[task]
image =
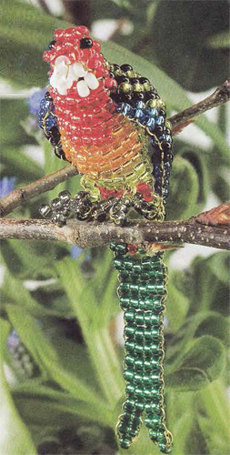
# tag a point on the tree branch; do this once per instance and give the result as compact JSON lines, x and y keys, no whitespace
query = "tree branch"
{"x":220,"y":96}
{"x":139,"y":232}
{"x":22,"y":195}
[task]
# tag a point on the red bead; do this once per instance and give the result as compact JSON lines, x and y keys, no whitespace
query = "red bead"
{"x":132,"y":248}
{"x":58,"y":34}
{"x":82,"y":30}
{"x":110,"y":83}
{"x":97,"y":46}
{"x":148,"y":197}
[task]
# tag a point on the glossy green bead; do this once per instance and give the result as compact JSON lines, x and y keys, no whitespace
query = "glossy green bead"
{"x":147,"y":349}
{"x":138,"y":364}
{"x":128,"y":375}
{"x":155,"y":393}
{"x":127,"y":264}
{"x":118,"y":248}
{"x":117,"y":262}
{"x":124,"y":302}
{"x":139,"y":392}
{"x":153,"y":434}
{"x":156,"y":288}
{"x":164,"y":448}
{"x":129,"y":360}
{"x":122,"y":427}
{"x":151,"y":407}
{"x":130,"y":345}
{"x":147,"y":381}
{"x":151,"y":319}
{"x":125,"y":443}
{"x":130,"y":388}
{"x":136,"y":267}
{"x":134,"y":288}
{"x":129,"y":405}
{"x":153,"y":422}
{"x":134,"y":303}
{"x":129,"y":315}
{"x":124,"y":288}
{"x":156,"y":378}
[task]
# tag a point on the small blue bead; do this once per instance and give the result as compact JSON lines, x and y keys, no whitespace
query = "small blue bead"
{"x":126,"y":108}
{"x":140,"y":105}
{"x":138,"y":114}
{"x":50,"y":122}
{"x":160,"y":120}
{"x":151,"y":123}
{"x":168,"y":138}
{"x":162,"y":137}
{"x":152,"y":111}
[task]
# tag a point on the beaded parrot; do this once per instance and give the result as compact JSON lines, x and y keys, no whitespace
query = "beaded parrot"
{"x":109,"y":122}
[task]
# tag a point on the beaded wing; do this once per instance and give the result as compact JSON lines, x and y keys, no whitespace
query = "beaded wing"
{"x":109,"y":122}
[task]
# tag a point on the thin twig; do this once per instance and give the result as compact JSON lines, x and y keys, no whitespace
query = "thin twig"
{"x":96,"y":234}
{"x":25,"y":193}
{"x":220,"y":96}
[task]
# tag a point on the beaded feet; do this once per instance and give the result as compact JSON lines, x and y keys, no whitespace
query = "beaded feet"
{"x":80,"y":207}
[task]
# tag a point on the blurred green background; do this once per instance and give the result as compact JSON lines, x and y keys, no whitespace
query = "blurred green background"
{"x":61,"y":351}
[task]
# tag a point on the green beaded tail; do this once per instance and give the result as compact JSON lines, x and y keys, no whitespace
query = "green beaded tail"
{"x":142,"y":293}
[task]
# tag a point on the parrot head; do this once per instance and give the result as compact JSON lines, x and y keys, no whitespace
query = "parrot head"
{"x":76,"y":63}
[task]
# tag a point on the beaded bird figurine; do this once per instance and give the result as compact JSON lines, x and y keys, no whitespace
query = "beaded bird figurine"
{"x":109,"y":122}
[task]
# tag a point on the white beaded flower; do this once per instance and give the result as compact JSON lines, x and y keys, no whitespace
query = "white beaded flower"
{"x":65,"y":74}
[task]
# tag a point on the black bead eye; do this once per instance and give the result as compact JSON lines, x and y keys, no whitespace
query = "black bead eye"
{"x":86,"y":43}
{"x":52,"y":44}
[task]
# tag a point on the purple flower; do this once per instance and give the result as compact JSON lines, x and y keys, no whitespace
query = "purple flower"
{"x":13,"y":340}
{"x":75,"y":251}
{"x":34,"y":101}
{"x":6,"y":185}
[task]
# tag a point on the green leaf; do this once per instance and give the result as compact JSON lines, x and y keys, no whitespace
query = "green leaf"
{"x":24,"y":35}
{"x":177,"y":302}
{"x":220,"y":40}
{"x":207,"y":286}
{"x":88,"y":313}
{"x":61,"y":409}
{"x":213,"y":417}
{"x":46,"y":357}
{"x":196,"y":442}
{"x":216,"y":325}
{"x":32,"y":259}
{"x":14,"y":294}
{"x":197,"y":159}
{"x":16,"y":163}
{"x":203,"y":323}
{"x":184,"y":190}
{"x":201,"y":365}
{"x":21,"y":442}
{"x":12,"y":132}
{"x":176,"y":27}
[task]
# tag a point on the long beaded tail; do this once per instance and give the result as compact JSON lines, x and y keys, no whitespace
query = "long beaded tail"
{"x":142,"y":292}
